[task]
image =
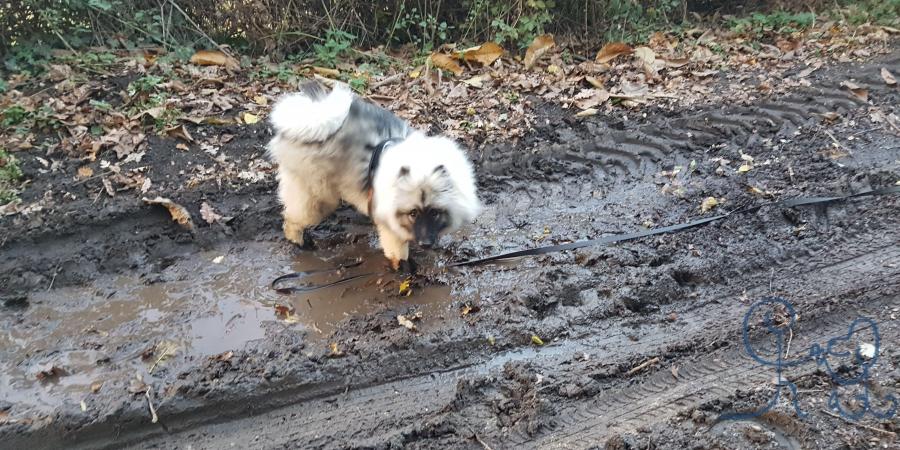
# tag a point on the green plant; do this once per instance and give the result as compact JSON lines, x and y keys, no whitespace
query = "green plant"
{"x":523,"y":29}
{"x":758,"y":25}
{"x":10,"y":174}
{"x":337,"y":43}
{"x":14,"y":115}
{"x":858,"y":12}
{"x":631,"y":21}
{"x":419,"y":28}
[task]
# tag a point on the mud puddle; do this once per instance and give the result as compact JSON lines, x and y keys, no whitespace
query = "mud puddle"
{"x":205,"y":305}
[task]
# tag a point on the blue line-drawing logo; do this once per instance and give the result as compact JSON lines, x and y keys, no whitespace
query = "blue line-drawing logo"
{"x":778,"y":318}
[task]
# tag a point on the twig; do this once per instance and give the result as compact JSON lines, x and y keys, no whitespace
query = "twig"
{"x":197,"y":27}
{"x":480,"y":441}
{"x":836,"y":142}
{"x":787,"y":351}
{"x":851,"y":422}
{"x":153,"y":417}
{"x":165,"y":354}
{"x":389,"y":80}
{"x":55,"y":273}
{"x":642,"y":366}
{"x":64,"y":41}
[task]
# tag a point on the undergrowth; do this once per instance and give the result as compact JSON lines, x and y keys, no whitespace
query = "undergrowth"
{"x":10,"y":174}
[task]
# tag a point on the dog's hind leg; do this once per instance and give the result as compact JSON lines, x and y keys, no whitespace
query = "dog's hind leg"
{"x":306,"y":202}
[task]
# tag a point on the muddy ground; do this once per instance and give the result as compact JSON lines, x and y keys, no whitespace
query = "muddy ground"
{"x":109,"y":306}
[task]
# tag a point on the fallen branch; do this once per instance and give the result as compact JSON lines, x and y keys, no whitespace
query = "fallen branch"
{"x":642,"y":366}
{"x":153,"y":417}
{"x":877,"y":430}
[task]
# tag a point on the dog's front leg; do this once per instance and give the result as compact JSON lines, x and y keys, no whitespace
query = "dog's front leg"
{"x":396,"y":249}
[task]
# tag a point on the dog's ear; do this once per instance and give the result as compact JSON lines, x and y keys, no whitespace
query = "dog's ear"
{"x":404,"y":171}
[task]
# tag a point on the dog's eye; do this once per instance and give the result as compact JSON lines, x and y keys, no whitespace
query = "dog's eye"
{"x":414,"y":213}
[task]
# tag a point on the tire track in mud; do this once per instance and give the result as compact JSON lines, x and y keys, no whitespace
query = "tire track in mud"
{"x":364,"y":413}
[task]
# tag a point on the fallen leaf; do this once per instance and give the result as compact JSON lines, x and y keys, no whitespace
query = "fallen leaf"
{"x":677,"y":62}
{"x":260,"y":100}
{"x":326,"y":72}
{"x":536,"y":340}
{"x":209,"y":214}
{"x":95,"y":387}
{"x":484,"y":54}
{"x":224,"y":357}
{"x":442,"y":61}
{"x":146,"y":184}
{"x":538,"y":48}
{"x":49,"y":372}
{"x":137,"y":385}
{"x":586,"y":113}
{"x":405,"y":288}
{"x":888,"y":77}
{"x":83,"y":406}
{"x":613,"y":50}
{"x":335,"y":351}
{"x":250,"y":119}
{"x":867,"y":350}
{"x":286,"y":313}
{"x":182,"y":147}
{"x":708,"y":204}
{"x":85,"y":172}
{"x":860,"y":92}
{"x":469,"y":309}
{"x":214,"y":58}
{"x":218,"y":259}
{"x":674,"y":371}
{"x":491,"y":340}
{"x":408,"y":321}
{"x":595,"y":82}
{"x":180,"y":132}
{"x":704,"y":73}
{"x":179,"y":213}
{"x":646,"y":55}
{"x":744,"y":168}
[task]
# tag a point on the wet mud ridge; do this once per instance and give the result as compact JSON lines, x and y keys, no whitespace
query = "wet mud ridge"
{"x":642,"y":342}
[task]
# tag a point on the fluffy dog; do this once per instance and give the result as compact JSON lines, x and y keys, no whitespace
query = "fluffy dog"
{"x":335,"y":146}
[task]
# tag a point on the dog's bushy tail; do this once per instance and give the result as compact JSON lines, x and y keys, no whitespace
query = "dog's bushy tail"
{"x":312,"y":115}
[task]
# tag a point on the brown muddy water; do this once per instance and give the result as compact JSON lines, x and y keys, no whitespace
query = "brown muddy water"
{"x":205,"y":305}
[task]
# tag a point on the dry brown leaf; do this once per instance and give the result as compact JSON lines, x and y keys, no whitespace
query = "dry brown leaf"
{"x":49,"y":372}
{"x":595,"y":82}
{"x":612,"y":50}
{"x":888,"y":77}
{"x":179,"y":213}
{"x":407,"y":321}
{"x":677,"y":62}
{"x":180,"y":132}
{"x":95,"y":387}
{"x":708,"y":204}
{"x":214,"y":58}
{"x":860,"y":92}
{"x":335,"y":351}
{"x":646,"y":55}
{"x":326,"y":72}
{"x":250,"y":119}
{"x":209,"y":214}
{"x":442,"y":61}
{"x":224,"y":357}
{"x":538,"y":47}
{"x":484,"y":54}
{"x":85,"y":172}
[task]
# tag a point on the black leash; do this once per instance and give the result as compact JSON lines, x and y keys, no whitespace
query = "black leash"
{"x":789,"y":203}
{"x":376,"y":158}
{"x":801,"y":201}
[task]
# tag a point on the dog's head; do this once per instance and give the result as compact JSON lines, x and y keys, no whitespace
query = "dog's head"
{"x":423,"y":187}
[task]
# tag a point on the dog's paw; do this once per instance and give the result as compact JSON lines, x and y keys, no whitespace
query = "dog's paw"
{"x":407,"y":266}
{"x":300,"y":237}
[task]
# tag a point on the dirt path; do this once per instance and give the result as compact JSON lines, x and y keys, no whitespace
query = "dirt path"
{"x":642,"y":341}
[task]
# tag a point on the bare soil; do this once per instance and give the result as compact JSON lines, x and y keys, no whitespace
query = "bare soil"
{"x":642,"y":341}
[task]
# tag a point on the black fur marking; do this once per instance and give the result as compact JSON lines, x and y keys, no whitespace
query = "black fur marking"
{"x":404,"y":171}
{"x":429,"y":225}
